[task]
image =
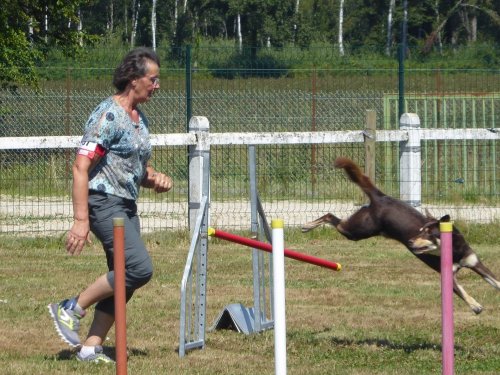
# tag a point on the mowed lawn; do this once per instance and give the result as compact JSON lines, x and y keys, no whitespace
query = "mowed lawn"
{"x":380,"y":315}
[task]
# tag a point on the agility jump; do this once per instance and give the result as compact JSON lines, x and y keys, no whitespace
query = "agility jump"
{"x":268,"y":247}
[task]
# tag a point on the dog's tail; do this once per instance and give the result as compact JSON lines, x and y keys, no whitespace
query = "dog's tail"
{"x":357,"y":176}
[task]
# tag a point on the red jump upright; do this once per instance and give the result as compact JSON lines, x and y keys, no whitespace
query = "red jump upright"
{"x":268,"y":247}
{"x":120,"y":295}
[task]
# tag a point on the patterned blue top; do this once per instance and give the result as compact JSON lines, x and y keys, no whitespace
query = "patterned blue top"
{"x":127,"y":146}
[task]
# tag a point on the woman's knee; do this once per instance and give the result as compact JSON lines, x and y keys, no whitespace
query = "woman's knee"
{"x":140,"y":275}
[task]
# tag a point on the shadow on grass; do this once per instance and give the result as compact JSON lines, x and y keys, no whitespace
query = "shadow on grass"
{"x":384,"y":343}
{"x":110,"y":351}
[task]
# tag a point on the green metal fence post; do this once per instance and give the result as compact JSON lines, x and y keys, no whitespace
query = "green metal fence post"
{"x":188,"y":87}
{"x":401,"y":80}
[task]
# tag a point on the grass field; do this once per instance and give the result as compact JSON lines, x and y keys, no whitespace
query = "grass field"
{"x":379,"y":315}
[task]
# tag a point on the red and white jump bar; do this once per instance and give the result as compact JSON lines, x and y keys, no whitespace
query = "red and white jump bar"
{"x":269,"y":248}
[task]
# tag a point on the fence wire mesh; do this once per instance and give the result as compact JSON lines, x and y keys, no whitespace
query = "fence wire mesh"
{"x":296,"y":182}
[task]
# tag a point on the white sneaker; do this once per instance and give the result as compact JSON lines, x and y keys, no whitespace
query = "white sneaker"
{"x":97,"y":357}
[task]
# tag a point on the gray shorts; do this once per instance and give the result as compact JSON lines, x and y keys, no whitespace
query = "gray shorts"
{"x":138,"y":266}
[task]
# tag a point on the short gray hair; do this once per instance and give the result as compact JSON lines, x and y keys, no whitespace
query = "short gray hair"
{"x":133,"y":66}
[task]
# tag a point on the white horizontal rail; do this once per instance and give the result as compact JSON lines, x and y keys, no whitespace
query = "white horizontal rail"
{"x":348,"y":136}
{"x":185,"y":139}
{"x":23,"y":143}
{"x":462,"y":134}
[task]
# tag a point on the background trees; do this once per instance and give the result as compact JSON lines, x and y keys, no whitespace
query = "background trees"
{"x":29,"y":28}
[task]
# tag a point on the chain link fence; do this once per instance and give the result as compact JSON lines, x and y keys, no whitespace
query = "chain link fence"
{"x":295,"y":182}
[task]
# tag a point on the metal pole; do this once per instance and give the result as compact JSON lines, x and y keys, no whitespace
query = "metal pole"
{"x":189,"y":111}
{"x":279,"y":296}
{"x":401,"y":81}
{"x":120,"y":295}
{"x":401,"y":58}
{"x":447,"y":298}
{"x":256,"y":255}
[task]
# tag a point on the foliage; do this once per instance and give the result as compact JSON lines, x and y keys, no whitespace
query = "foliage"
{"x":17,"y":60}
{"x":26,"y":36}
{"x":74,"y":25}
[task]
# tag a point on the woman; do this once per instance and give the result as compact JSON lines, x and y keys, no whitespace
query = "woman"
{"x":110,"y":166}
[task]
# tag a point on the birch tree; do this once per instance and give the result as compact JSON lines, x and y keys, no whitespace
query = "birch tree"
{"x":111,"y":23}
{"x":457,"y":8}
{"x":125,"y":17}
{"x":390,"y":16}
{"x":341,"y":23}
{"x":238,"y":32}
{"x":153,"y":25}
{"x":438,"y":34}
{"x":176,"y":17}
{"x":136,"y":5}
{"x":297,"y":6}
{"x":27,"y":33}
{"x":80,"y":28}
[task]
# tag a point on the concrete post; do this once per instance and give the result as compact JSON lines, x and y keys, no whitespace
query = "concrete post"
{"x":410,"y":186}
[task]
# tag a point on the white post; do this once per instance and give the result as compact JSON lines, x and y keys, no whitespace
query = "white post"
{"x":410,"y":185}
{"x":197,"y":153}
{"x":279,"y":296}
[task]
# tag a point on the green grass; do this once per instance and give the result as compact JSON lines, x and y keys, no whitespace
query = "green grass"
{"x":379,"y":315}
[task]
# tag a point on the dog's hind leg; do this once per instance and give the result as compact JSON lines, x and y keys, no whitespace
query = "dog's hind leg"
{"x":358,"y":226}
{"x":473,"y":262}
{"x":325,"y":219}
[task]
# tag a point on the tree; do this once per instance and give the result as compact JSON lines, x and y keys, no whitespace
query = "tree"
{"x":28,"y":28}
{"x":341,"y":24}
{"x":153,"y":24}
{"x":390,"y":16}
{"x":468,"y":22}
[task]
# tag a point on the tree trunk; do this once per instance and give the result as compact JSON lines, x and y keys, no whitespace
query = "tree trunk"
{"x":153,"y":24}
{"x":341,"y":22}
{"x":238,"y":31}
{"x":30,"y":30}
{"x":297,"y":5}
{"x":176,"y":16}
{"x":404,"y":37}
{"x":438,"y":36}
{"x":111,"y":23}
{"x":46,"y":24}
{"x":454,"y":33}
{"x":473,"y":26}
{"x":80,"y":28}
{"x":464,"y":16}
{"x":135,"y":18}
{"x":125,"y":18}
{"x":390,"y":14}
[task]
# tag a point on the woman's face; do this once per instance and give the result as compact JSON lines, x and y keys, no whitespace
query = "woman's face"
{"x":145,"y":86}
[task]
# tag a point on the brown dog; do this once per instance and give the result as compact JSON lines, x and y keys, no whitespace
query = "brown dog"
{"x":395,"y":219}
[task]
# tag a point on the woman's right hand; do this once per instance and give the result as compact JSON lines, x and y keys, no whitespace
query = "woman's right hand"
{"x":78,"y":235}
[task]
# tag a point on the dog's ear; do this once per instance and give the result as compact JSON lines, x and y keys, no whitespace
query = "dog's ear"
{"x":430,"y":225}
{"x":428,"y":214}
{"x":445,"y":219}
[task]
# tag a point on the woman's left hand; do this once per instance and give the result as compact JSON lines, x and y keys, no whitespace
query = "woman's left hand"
{"x":162,"y":182}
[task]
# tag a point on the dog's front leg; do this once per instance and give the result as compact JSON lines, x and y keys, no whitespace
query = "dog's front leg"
{"x":460,"y":291}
